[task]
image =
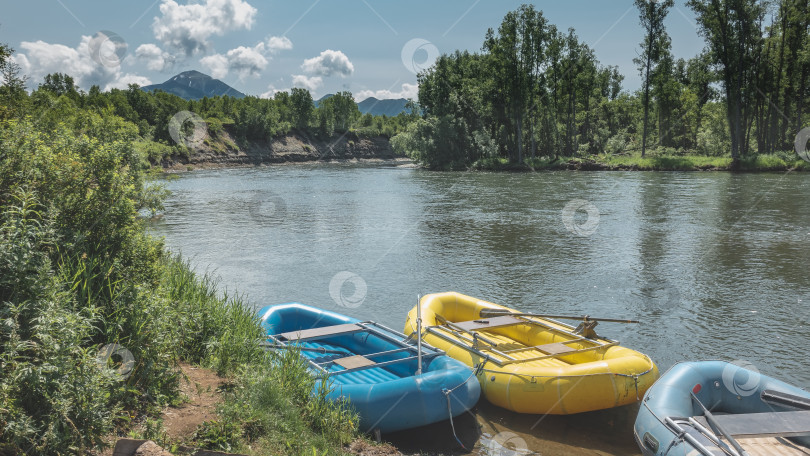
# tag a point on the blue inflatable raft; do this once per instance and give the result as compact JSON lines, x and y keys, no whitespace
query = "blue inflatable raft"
{"x":715,"y":408}
{"x":374,"y":367}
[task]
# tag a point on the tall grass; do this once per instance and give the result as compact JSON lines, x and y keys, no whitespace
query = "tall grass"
{"x":279,"y":414}
{"x":79,"y":272}
{"x":219,"y":332}
{"x":663,"y":162}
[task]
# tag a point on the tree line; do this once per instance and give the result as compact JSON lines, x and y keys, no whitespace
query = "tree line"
{"x":537,"y":91}
{"x":57,"y":100}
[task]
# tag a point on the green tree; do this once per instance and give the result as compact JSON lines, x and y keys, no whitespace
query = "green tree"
{"x":782,"y":77}
{"x":517,"y":61}
{"x":13,"y":96}
{"x":301,"y":107}
{"x":342,"y":110}
{"x":698,"y":79}
{"x":655,"y":45}
{"x":732,"y":29}
{"x":59,"y":84}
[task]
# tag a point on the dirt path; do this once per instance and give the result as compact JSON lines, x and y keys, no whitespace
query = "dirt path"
{"x":201,"y":387}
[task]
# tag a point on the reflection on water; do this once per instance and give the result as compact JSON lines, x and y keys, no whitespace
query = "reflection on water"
{"x":713,"y":264}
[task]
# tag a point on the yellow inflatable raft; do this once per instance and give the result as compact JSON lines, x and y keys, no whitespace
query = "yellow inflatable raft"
{"x":530,"y":364}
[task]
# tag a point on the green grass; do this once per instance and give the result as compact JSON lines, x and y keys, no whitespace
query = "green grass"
{"x":278,"y":414}
{"x":215,"y":330}
{"x":782,"y":161}
{"x":665,"y":162}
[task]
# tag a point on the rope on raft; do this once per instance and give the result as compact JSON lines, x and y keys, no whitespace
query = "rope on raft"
{"x":635,"y":377}
{"x":476,"y":369}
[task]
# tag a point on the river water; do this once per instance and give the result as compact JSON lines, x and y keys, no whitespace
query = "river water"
{"x":714,"y":264}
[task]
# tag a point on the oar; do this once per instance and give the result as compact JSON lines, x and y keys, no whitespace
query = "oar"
{"x":710,"y":420}
{"x":486,"y":313}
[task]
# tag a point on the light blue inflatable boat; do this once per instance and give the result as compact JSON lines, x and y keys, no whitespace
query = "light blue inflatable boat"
{"x":715,"y":408}
{"x":374,"y":367}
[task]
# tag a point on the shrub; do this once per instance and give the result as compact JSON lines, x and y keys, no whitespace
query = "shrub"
{"x":55,"y":395}
{"x":79,"y":272}
{"x":617,"y":143}
{"x":214,"y":126}
{"x":153,"y":151}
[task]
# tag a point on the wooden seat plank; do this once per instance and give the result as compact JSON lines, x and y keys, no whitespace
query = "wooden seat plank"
{"x":768,"y":424}
{"x":353,"y":362}
{"x":483,"y":324}
{"x":555,"y":348}
{"x":320,"y":333}
{"x":772,"y":446}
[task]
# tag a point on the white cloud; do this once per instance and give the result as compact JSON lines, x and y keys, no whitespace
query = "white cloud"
{"x":309,"y":83}
{"x":122,"y":82}
{"x":188,"y":27}
{"x":271,"y":92}
{"x":245,"y":61}
{"x":38,"y":58}
{"x":217,"y":65}
{"x":279,"y":43}
{"x":156,"y":59}
{"x":328,"y":63}
{"x":407,"y":91}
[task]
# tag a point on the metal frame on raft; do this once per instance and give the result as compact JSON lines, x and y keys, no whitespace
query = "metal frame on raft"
{"x":472,"y":345}
{"x":289,"y":340}
{"x":674,"y":425}
{"x":731,"y":427}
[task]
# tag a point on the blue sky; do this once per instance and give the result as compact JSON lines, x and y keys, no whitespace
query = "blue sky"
{"x":370,"y":47}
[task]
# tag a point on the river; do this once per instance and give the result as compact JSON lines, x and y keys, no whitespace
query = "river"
{"x":714,"y":264}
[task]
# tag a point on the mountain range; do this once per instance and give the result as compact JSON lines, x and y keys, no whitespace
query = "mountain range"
{"x":375,"y":107}
{"x":193,"y":85}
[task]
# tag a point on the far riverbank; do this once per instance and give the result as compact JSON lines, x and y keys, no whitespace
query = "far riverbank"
{"x":222,"y":151}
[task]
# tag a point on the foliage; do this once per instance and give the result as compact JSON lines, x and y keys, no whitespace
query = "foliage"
{"x":277,"y":413}
{"x":218,"y":435}
{"x":535,"y":91}
{"x":57,"y":101}
{"x":302,"y":107}
{"x":13,"y":100}
{"x":731,"y":28}
{"x":780,"y":105}
{"x":655,"y":51}
{"x":217,"y":331}
{"x":78,"y":272}
{"x":532,"y":91}
{"x":54,"y":396}
{"x":78,"y":276}
{"x":337,"y":113}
